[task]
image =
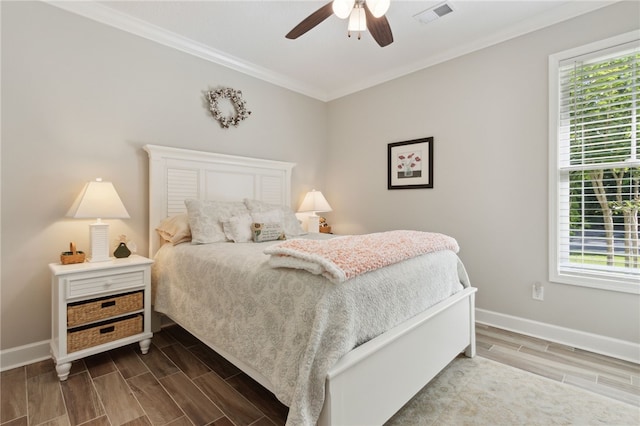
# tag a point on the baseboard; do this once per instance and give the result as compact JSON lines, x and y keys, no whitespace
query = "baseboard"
{"x":23,"y":355}
{"x":39,"y":351}
{"x":621,"y":349}
{"x":616,"y":348}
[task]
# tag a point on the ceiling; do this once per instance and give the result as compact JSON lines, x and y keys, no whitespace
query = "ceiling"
{"x":324,"y":63}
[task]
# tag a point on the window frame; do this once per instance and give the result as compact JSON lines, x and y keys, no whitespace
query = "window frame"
{"x":579,"y":278}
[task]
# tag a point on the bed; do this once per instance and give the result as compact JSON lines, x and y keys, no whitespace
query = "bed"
{"x":357,"y":377}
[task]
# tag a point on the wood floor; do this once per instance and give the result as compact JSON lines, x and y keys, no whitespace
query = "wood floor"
{"x":182,"y":382}
{"x":600,"y":374}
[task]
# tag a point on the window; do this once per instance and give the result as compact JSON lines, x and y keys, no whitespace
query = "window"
{"x":595,"y":165}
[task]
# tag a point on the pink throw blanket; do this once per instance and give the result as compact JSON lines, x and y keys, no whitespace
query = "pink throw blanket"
{"x":342,"y":258}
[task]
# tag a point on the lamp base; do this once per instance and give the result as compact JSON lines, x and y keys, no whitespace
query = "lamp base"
{"x":99,"y":238}
{"x":313,"y":224}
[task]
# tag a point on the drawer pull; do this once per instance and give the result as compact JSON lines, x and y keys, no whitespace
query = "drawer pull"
{"x":109,"y":303}
{"x":107,"y":330}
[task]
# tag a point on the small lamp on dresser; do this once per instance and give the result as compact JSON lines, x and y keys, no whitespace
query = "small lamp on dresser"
{"x":98,"y":200}
{"x":314,"y":202}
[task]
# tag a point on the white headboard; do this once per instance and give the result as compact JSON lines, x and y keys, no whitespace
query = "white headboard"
{"x":177,"y":174}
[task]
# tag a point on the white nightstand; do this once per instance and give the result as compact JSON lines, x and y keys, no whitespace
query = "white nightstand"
{"x":99,"y":306}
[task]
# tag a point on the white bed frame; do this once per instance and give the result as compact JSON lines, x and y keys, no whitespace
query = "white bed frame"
{"x":373,"y":381}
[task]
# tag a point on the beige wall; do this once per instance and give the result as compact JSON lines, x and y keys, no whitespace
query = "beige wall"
{"x":79,"y":100}
{"x":488,"y":114}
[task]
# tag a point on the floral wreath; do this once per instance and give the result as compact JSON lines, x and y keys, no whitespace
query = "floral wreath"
{"x":239,"y":104}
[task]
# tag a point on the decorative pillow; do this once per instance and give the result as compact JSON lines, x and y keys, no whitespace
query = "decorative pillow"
{"x":292,"y":226}
{"x":206,"y":217}
{"x":238,"y":228}
{"x":267,"y":232}
{"x":175,"y":229}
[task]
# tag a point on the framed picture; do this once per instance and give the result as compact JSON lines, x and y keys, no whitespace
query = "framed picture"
{"x":411,"y":164}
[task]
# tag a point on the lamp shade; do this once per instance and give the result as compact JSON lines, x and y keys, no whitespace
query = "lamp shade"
{"x":357,"y":20}
{"x":342,"y":8}
{"x":314,"y":201}
{"x":378,"y":7}
{"x":98,"y":199}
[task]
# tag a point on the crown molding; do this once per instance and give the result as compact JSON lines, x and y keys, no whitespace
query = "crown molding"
{"x":105,"y":15}
{"x":541,"y":21}
{"x":108,"y":16}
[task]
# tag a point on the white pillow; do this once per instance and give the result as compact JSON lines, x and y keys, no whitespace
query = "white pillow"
{"x":259,"y":226}
{"x":271,"y":216}
{"x":292,"y":226}
{"x":238,"y":228}
{"x":206,"y":217}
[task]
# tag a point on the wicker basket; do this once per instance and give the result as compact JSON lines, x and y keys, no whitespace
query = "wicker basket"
{"x":106,"y":307}
{"x":72,"y":256}
{"x":103,"y":333}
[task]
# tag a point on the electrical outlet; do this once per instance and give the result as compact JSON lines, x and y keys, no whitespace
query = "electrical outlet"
{"x":537,"y":291}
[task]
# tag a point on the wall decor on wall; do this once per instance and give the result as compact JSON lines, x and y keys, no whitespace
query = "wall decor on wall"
{"x":239,"y":105}
{"x":410,"y":164}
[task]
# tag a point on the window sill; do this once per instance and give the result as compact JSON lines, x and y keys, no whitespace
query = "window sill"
{"x":622,"y":285}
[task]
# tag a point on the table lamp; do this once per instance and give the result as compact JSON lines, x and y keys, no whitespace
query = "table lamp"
{"x":314,"y":202}
{"x":98,"y":200}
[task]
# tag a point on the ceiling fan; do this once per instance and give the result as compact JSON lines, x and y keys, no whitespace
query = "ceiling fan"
{"x":363,"y":15}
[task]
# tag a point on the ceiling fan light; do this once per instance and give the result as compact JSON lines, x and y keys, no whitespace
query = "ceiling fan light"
{"x":357,"y":20}
{"x":378,"y":7}
{"x":342,"y":8}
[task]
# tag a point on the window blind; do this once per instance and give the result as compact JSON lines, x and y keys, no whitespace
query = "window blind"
{"x":599,"y":164}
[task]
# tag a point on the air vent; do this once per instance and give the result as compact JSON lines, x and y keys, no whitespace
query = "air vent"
{"x":434,"y":13}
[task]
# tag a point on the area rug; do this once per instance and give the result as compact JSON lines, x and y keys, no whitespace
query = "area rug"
{"x":477,"y":391}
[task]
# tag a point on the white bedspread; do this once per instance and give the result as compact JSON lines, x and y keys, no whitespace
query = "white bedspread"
{"x":289,"y":325}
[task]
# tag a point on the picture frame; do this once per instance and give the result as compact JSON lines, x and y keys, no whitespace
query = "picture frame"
{"x":410,"y":164}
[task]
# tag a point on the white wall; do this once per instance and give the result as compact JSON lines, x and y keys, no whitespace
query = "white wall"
{"x":79,"y":100}
{"x":488,"y":114}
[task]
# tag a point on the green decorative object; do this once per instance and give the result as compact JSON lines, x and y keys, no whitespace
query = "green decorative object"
{"x":122,"y":251}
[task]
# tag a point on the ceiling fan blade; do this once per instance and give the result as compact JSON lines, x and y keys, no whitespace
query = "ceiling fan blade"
{"x":379,"y":28}
{"x":311,"y":21}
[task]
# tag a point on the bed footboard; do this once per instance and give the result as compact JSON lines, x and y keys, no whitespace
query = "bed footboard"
{"x":372,"y":382}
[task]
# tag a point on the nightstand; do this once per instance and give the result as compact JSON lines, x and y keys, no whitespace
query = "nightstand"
{"x":99,"y":306}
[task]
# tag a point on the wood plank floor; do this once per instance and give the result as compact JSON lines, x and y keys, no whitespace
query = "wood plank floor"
{"x":182,"y":382}
{"x":600,"y":374}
